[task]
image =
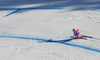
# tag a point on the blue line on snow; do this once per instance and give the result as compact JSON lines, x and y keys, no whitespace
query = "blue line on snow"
{"x":12,"y":12}
{"x":46,"y":40}
{"x":17,"y":9}
{"x":47,"y":8}
{"x":27,"y":8}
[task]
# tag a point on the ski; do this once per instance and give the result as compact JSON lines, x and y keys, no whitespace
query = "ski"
{"x":88,"y":36}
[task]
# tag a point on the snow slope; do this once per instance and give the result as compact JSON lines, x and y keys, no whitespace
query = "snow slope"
{"x":23,"y":34}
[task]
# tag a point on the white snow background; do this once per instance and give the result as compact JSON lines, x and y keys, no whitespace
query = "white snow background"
{"x":34,"y":29}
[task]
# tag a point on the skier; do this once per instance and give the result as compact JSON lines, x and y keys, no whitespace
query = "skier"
{"x":77,"y":34}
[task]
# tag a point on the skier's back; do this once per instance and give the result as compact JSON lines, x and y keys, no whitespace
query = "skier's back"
{"x":76,"y":34}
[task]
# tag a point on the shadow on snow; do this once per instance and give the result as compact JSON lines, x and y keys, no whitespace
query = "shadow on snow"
{"x":48,"y":4}
{"x":66,"y":40}
{"x":76,"y":4}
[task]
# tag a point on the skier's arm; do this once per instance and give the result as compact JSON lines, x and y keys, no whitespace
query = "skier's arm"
{"x":77,"y":29}
{"x":73,"y":36}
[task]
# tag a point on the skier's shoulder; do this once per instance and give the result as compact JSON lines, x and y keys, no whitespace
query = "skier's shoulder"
{"x":77,"y":29}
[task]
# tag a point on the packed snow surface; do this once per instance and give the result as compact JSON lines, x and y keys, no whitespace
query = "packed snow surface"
{"x":37,"y":34}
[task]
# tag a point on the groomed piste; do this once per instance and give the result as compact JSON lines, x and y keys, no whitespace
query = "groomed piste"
{"x":41,"y":29}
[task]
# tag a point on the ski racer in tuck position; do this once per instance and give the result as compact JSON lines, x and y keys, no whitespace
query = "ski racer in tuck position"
{"x":77,"y":34}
